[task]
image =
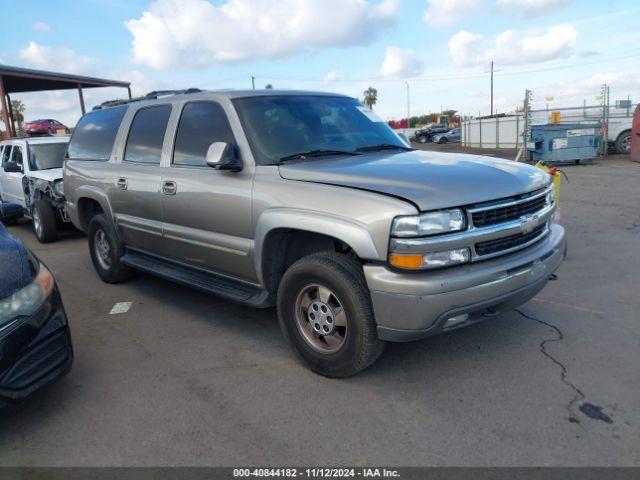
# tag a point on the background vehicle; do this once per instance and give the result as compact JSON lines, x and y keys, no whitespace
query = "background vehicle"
{"x":452,"y":136}
{"x":35,"y":342}
{"x":425,"y":135}
{"x":308,"y":201}
{"x":31,"y":176}
{"x":47,"y":126}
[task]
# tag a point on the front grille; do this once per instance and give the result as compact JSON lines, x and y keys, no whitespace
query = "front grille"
{"x":506,"y":213}
{"x":505,"y":243}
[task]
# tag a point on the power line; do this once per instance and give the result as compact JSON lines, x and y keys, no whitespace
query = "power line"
{"x":460,"y":76}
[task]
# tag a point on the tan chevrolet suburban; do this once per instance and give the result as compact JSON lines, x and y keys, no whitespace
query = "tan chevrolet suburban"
{"x":309,"y":202}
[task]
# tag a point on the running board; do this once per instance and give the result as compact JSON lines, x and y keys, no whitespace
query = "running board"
{"x":204,"y":281}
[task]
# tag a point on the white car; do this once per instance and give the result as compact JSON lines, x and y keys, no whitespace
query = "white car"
{"x":31,"y":176}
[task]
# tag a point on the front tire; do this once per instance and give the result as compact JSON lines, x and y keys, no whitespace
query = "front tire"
{"x":44,"y":222}
{"x":623,"y":143}
{"x":106,"y":251}
{"x":422,"y":139}
{"x":325,"y":312}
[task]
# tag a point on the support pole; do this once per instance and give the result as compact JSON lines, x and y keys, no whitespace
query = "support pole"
{"x":13,"y":124}
{"x":5,"y":109}
{"x":81,"y":98}
{"x":129,"y":91}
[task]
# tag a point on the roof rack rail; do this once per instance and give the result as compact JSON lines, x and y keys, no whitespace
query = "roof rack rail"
{"x":149,"y":96}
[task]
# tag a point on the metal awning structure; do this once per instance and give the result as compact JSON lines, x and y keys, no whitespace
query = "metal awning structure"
{"x":20,"y":80}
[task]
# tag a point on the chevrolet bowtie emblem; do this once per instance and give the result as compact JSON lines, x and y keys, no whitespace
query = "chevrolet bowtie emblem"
{"x":529,"y":222}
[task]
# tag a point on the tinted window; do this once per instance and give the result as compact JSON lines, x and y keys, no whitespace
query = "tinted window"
{"x":279,"y":126}
{"x":43,"y":156}
{"x":95,"y":133}
{"x":201,"y":124}
{"x":6,"y":154}
{"x":16,"y":155}
{"x":146,"y":135}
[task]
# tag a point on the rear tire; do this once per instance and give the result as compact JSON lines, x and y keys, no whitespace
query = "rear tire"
{"x":348,"y":342}
{"x":106,"y":251}
{"x":44,"y":222}
{"x":623,"y":143}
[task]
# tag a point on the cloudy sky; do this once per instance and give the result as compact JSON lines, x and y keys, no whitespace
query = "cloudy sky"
{"x":441,"y":48}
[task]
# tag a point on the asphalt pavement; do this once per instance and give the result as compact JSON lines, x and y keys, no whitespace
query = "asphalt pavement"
{"x":182,"y":378}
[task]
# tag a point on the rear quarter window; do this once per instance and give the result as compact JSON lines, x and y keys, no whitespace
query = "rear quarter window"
{"x":95,"y":133}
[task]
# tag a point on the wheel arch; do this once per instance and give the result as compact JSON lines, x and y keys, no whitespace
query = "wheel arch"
{"x":90,"y":203}
{"x":286,"y":235}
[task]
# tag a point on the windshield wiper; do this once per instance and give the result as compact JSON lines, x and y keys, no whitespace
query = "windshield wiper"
{"x":383,"y":146}
{"x":316,"y":153}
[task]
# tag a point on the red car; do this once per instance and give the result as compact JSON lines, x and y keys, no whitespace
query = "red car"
{"x":47,"y":126}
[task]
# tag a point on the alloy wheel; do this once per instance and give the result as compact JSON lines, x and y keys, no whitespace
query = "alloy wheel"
{"x":102,"y":249}
{"x":321,"y":318}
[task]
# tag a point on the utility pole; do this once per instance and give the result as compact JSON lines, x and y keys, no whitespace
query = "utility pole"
{"x":491,"y":71}
{"x":491,"y":87}
{"x":408,"y":107}
{"x":526,"y":131}
{"x":253,"y":82}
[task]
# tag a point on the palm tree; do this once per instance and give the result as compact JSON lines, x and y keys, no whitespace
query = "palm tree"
{"x":370,"y":97}
{"x":17,"y":109}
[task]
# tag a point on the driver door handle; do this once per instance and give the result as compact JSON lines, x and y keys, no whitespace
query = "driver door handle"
{"x":169,"y":187}
{"x":122,"y":183}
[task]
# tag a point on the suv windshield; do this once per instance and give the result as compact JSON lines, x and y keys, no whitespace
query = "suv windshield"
{"x":44,"y":156}
{"x":280,"y":127}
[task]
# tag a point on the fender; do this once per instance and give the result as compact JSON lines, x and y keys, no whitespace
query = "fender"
{"x":346,"y":230}
{"x":93,"y":193}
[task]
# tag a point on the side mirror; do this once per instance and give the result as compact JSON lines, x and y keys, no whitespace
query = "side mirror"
{"x":12,"y":167}
{"x":222,"y":156}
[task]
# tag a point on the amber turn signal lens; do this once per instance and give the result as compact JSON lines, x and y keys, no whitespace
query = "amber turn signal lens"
{"x":406,"y":260}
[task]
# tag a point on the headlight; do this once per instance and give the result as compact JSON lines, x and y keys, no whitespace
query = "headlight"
{"x":27,"y":300}
{"x":413,"y":261}
{"x":58,"y":188}
{"x":551,"y":195}
{"x":430,"y":223}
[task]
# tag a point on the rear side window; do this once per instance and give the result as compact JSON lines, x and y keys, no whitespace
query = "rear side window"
{"x":144,"y":144}
{"x":6,"y":154}
{"x":95,"y":133}
{"x":201,"y":124}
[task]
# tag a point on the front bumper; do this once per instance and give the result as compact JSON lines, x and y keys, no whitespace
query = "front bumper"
{"x":35,"y":351}
{"x":410,"y":306}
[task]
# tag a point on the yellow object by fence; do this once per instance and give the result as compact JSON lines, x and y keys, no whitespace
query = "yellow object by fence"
{"x":556,"y":178}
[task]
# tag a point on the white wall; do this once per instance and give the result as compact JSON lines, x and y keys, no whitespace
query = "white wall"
{"x":506,"y":132}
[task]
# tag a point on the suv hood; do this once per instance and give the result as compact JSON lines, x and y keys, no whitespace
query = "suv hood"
{"x":48,"y":175}
{"x":431,"y":180}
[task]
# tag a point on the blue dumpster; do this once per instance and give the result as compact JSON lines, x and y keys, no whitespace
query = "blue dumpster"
{"x":563,"y":143}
